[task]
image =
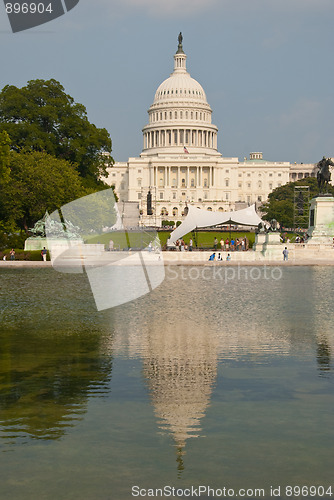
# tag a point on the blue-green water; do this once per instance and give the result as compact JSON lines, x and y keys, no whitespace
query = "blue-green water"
{"x":205,"y":381}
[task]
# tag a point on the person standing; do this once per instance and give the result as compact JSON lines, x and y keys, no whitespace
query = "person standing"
{"x":43,"y":253}
{"x":215,"y":243}
{"x":222,"y":243}
{"x":12,"y":254}
{"x":285,"y":254}
{"x":190,"y":245}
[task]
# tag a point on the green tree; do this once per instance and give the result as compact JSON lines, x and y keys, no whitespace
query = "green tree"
{"x":4,"y":156}
{"x":42,"y":117}
{"x":280,"y":205}
{"x":38,"y":182}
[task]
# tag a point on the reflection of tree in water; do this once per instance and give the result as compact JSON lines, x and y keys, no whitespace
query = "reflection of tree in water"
{"x":50,"y":355}
{"x":323,"y":356}
{"x":45,"y":382}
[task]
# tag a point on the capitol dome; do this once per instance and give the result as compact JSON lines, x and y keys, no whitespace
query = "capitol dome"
{"x":180,"y":116}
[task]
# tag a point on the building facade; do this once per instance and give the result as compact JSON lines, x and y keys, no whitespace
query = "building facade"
{"x":180,"y":163}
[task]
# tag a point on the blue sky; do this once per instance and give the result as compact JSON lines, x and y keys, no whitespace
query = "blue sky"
{"x":266,"y":67}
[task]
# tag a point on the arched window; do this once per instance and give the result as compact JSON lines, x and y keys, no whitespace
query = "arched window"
{"x":164,"y":211}
{"x":175,"y":211}
{"x":209,"y":209}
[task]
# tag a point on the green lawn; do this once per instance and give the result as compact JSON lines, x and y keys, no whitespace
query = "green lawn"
{"x":135,"y":239}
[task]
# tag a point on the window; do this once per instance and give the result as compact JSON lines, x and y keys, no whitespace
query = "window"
{"x":161,"y":181}
{"x":139,"y":196}
{"x":183,"y":182}
{"x":139,"y":182}
{"x":271,"y":185}
{"x":259,"y":198}
{"x":164,"y":211}
{"x":226,"y":182}
{"x":192,"y":183}
{"x":161,"y":195}
{"x":226,"y":196}
{"x":248,"y":175}
{"x":205,"y":196}
{"x":209,"y":209}
{"x":279,"y":175}
{"x":205,"y":183}
{"x":174,"y":196}
{"x":270,"y":175}
{"x":174,"y":182}
{"x":175,"y":211}
{"x":240,"y":185}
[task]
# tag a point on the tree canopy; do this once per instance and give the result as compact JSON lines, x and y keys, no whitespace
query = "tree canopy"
{"x":42,"y":117}
{"x":38,"y":182}
{"x":280,"y":205}
{"x":4,"y":156}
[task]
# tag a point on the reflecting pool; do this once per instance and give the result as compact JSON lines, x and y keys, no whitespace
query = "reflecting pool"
{"x":205,"y":381}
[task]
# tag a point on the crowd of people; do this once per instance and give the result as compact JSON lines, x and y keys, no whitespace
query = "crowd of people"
{"x":238,"y":244}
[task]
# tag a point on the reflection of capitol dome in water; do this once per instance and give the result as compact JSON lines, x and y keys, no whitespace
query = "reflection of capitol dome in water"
{"x":180,"y":367}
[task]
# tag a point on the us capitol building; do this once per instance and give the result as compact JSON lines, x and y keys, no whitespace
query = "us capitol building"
{"x":180,"y":163}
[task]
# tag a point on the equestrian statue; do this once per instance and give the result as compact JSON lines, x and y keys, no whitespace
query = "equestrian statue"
{"x":323,"y":174}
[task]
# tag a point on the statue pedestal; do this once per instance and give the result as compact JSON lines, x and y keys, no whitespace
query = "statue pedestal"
{"x":35,"y":243}
{"x":260,"y":239}
{"x":269,"y":245}
{"x":321,"y":224}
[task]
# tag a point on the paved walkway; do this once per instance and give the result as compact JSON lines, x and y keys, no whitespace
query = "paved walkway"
{"x":201,"y":259}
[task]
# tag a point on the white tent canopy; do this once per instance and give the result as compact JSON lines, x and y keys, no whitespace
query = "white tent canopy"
{"x":204,"y":218}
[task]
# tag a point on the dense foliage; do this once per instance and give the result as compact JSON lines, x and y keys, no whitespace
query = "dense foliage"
{"x":50,"y":155}
{"x":37,"y":182}
{"x":42,"y":117}
{"x":281,"y":206}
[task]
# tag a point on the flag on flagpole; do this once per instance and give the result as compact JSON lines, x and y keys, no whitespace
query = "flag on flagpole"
{"x":185,"y":150}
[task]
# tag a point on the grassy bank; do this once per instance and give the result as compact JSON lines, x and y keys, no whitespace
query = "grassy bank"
{"x":139,"y":240}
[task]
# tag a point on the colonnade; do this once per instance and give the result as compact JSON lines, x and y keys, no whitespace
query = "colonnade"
{"x":180,"y":137}
{"x":182,"y":177}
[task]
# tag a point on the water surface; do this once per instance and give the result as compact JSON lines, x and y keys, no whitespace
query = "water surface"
{"x":205,"y":381}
